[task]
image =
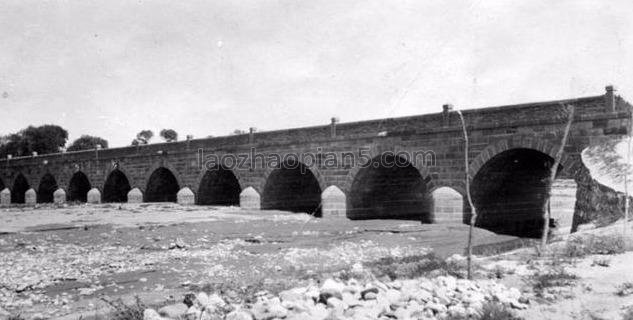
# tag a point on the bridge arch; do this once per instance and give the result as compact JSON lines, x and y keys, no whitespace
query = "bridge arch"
{"x":519,"y":142}
{"x":2,"y":186}
{"x":116,"y":186}
{"x":510,"y":189}
{"x":390,"y":187}
{"x":293,"y":187}
{"x":219,"y":186}
{"x":20,"y":186}
{"x":78,"y":187}
{"x":46,"y":188}
{"x":162,"y":186}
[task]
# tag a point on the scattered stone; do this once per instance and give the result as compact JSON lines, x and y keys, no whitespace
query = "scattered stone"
{"x":174,"y":311}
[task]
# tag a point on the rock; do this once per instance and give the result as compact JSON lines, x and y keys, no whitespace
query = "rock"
{"x":363,"y":294}
{"x":151,"y":314}
{"x":370,"y":296}
{"x":393,"y":296}
{"x":436,"y":307}
{"x":333,"y":286}
{"x":293,"y":294}
{"x":238,"y":315}
{"x":350,"y":299}
{"x":268,"y":309}
{"x":193,"y":313}
{"x":336,"y":304}
{"x":173,"y":311}
{"x":458,"y":312}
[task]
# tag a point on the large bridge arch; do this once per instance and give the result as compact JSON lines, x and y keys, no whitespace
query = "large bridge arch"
{"x":116,"y":186}
{"x":20,"y":185}
{"x":293,"y":186}
{"x":510,"y":190}
{"x":219,"y":186}
{"x":390,"y":187}
{"x":520,"y":142}
{"x":46,"y":188}
{"x":78,"y":187}
{"x":162,"y":186}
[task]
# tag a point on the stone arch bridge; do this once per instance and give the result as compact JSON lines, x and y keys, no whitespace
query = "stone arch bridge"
{"x":402,"y":168}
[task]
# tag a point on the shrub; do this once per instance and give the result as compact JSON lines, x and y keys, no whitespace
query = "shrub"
{"x":628,"y":313}
{"x":16,"y":317}
{"x":601,"y":262}
{"x":558,"y":277}
{"x":496,"y":311}
{"x":625,"y":289}
{"x":123,"y":311}
{"x":604,"y":244}
{"x":410,"y":267}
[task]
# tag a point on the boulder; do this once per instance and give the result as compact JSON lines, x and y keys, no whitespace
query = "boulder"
{"x":174,"y":311}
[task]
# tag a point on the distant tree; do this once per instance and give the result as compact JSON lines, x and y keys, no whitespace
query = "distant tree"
{"x":86,"y":142}
{"x":238,"y":132}
{"x":169,"y":135}
{"x":43,"y":139}
{"x":143,"y":137}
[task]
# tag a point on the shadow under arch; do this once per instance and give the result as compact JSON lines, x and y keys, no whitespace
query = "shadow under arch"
{"x":390,"y":187}
{"x":510,"y":190}
{"x":219,"y":186}
{"x":116,"y":187}
{"x":162,"y":186}
{"x":46,"y":189}
{"x":20,"y":186}
{"x":292,"y":187}
{"x":78,"y":187}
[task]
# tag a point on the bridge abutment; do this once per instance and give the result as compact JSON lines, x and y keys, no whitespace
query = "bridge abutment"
{"x":448,"y":206}
{"x":250,"y":199}
{"x":562,"y":205}
{"x":333,"y":202}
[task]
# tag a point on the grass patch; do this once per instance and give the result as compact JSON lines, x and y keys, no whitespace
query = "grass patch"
{"x":123,"y":311}
{"x":557,"y":277}
{"x":411,"y":267}
{"x":577,"y":247}
{"x":628,"y":313}
{"x":625,"y":289}
{"x":489,"y":311}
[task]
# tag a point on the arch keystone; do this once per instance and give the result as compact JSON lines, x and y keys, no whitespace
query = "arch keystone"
{"x":59,"y":196}
{"x":185,"y":196}
{"x":135,"y":196}
{"x":94,"y":196}
{"x":30,"y":196}
{"x":5,"y":197}
{"x":250,"y":199}
{"x":448,"y":206}
{"x":333,"y":202}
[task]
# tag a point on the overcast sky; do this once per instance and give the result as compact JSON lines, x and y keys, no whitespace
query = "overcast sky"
{"x":111,"y":68}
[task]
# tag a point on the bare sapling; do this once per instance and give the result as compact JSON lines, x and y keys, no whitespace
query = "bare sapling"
{"x":547,"y":213}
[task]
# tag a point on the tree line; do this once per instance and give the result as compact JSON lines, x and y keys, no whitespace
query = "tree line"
{"x":50,"y":138}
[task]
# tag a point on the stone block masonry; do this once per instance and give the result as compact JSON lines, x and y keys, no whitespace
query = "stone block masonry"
{"x":511,"y":146}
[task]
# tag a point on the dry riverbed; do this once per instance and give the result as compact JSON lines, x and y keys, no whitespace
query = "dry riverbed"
{"x":66,"y":263}
{"x":61,"y":261}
